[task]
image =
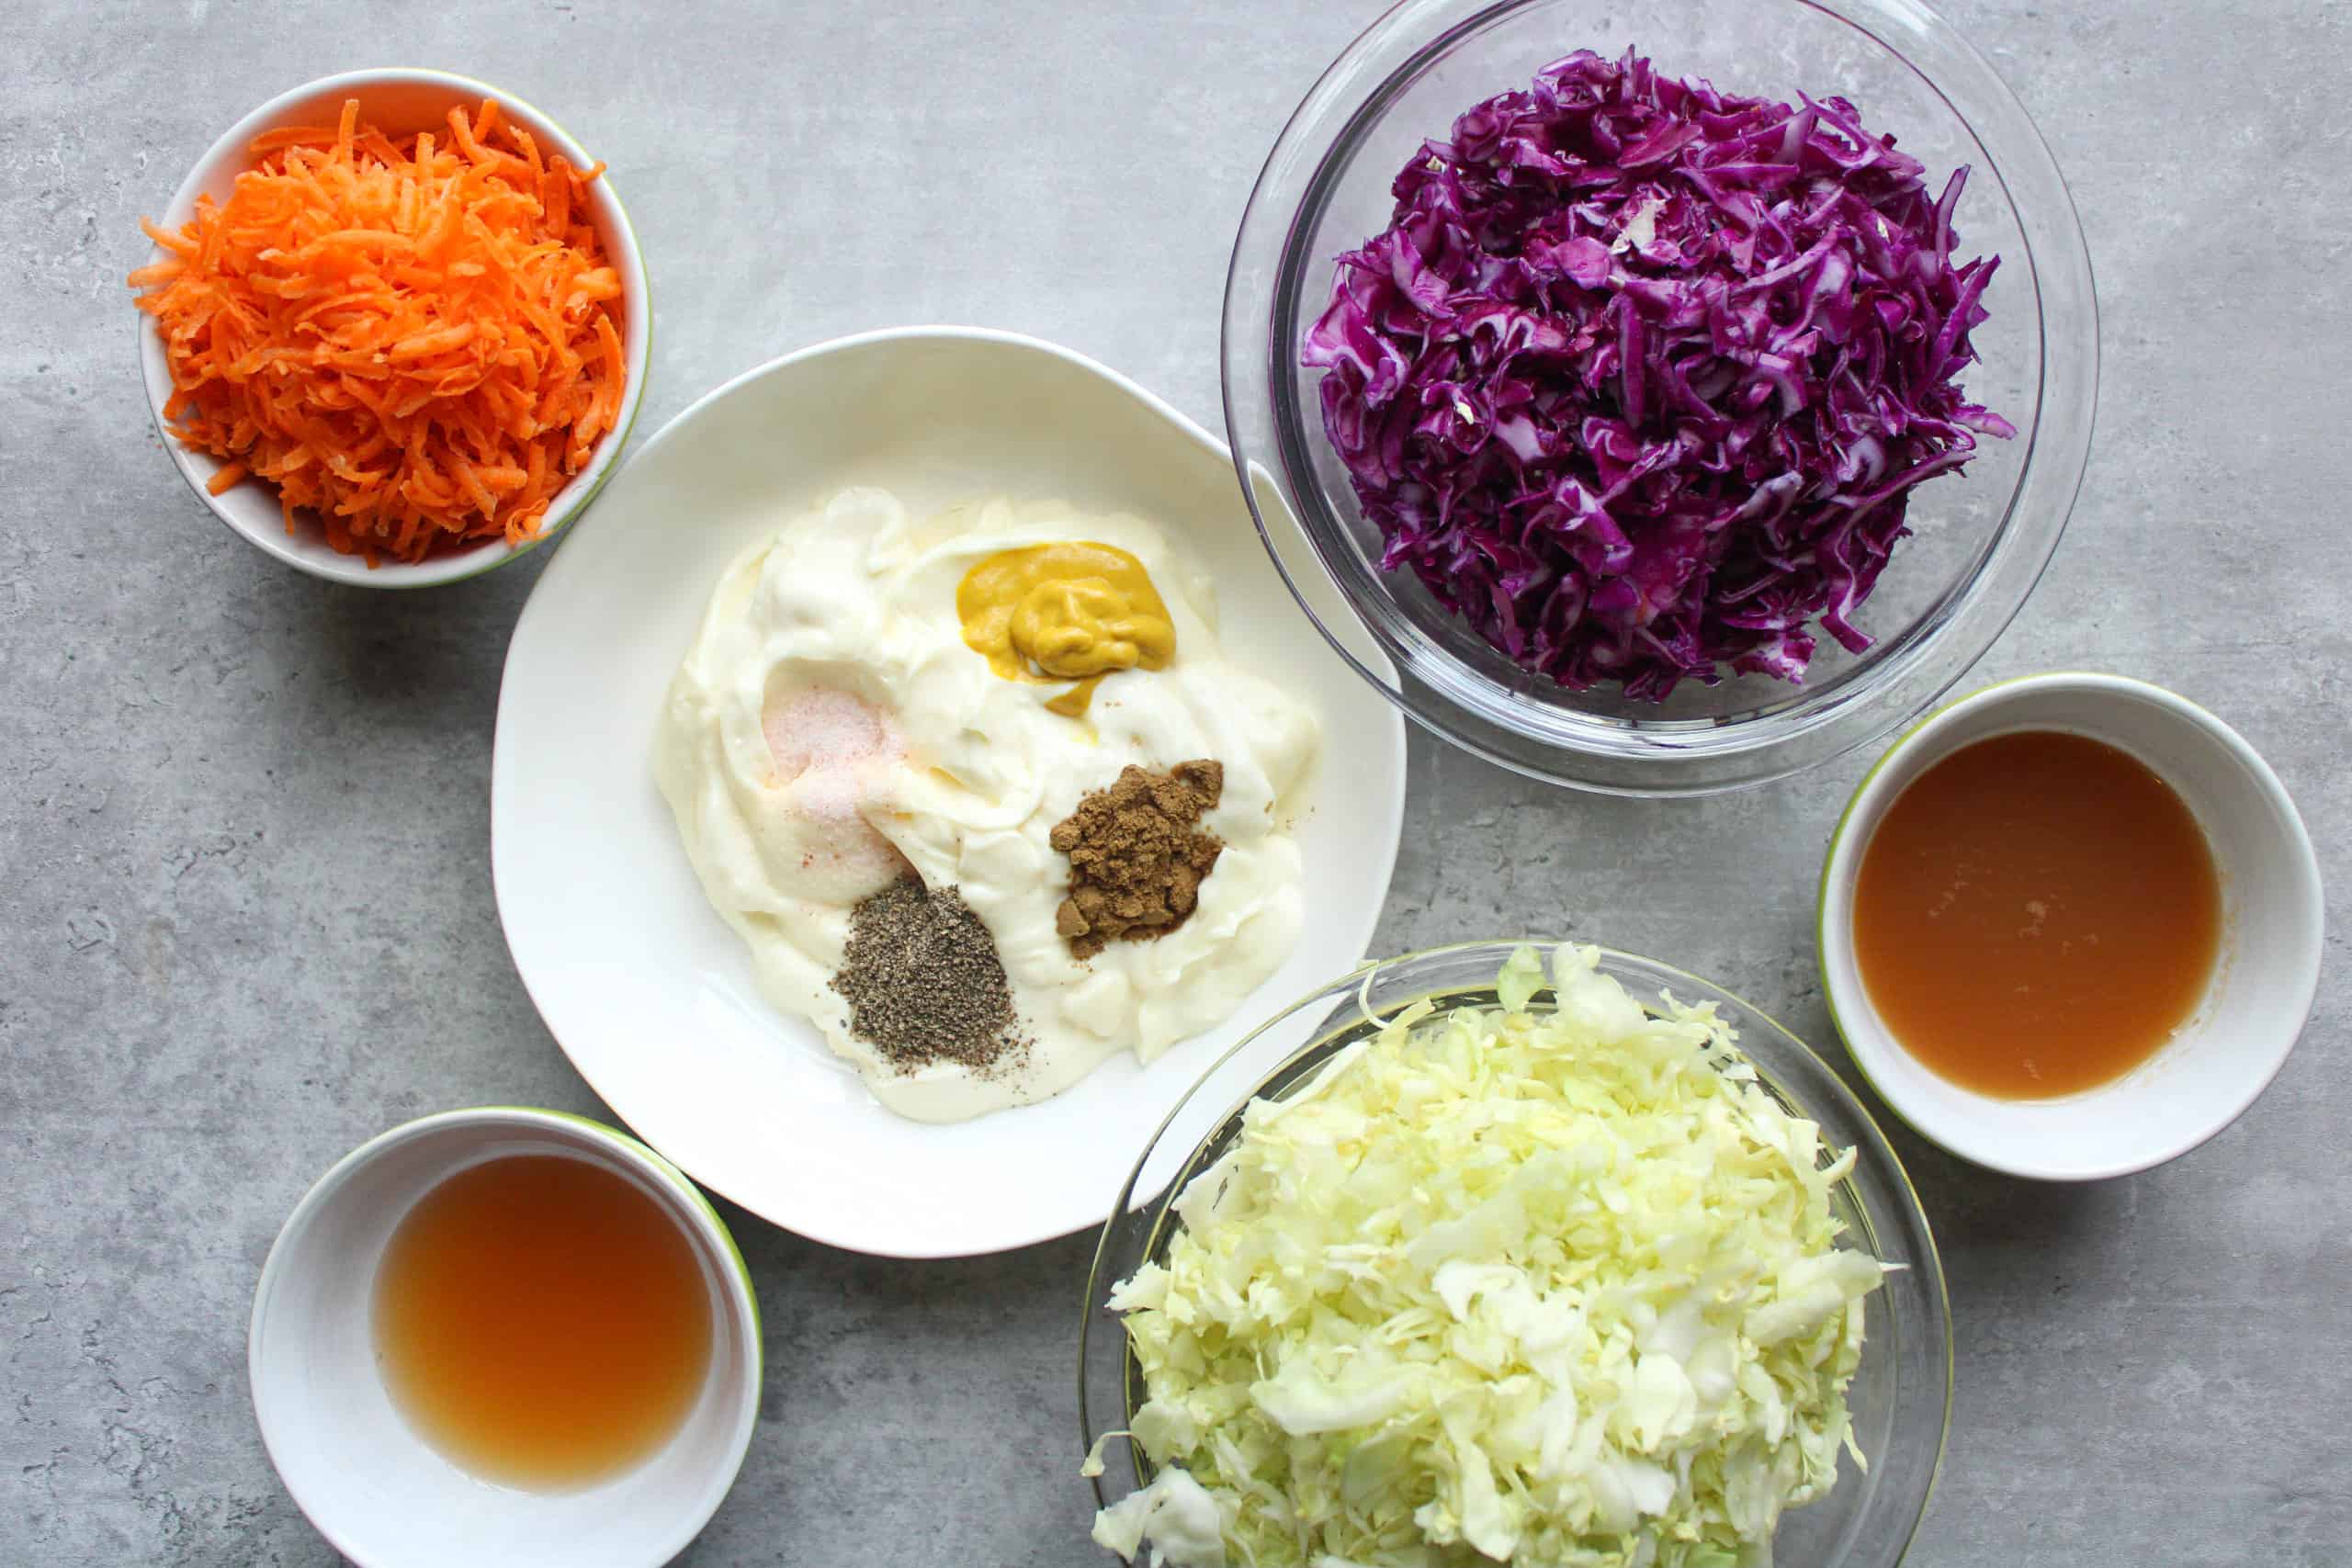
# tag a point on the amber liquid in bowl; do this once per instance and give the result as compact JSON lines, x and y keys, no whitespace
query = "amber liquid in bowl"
{"x":2036,"y":915}
{"x":542,"y":1322}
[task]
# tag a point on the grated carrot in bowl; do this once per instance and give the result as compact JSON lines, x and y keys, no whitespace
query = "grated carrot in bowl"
{"x":416,"y":340}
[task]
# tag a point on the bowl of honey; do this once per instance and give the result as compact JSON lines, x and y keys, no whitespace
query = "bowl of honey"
{"x":505,"y":1336}
{"x":2070,"y":926}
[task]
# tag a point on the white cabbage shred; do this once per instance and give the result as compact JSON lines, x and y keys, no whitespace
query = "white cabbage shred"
{"x":1557,"y":1287}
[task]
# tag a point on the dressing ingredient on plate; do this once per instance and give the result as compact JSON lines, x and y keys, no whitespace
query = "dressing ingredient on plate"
{"x":1065,"y":611}
{"x":923,"y":981}
{"x":1136,"y":855}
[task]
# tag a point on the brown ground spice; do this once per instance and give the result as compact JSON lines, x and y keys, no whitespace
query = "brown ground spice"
{"x":1136,"y":860}
{"x":923,"y":980}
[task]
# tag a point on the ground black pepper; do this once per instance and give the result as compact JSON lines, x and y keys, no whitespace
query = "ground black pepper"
{"x":923,"y":981}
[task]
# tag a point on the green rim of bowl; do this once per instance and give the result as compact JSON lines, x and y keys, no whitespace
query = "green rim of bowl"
{"x":684,"y":1184}
{"x":655,"y":1157}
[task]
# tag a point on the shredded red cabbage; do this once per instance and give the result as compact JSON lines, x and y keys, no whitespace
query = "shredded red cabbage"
{"x":1640,"y":376}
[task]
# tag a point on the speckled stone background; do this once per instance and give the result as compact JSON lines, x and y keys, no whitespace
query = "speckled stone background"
{"x":245,"y":913}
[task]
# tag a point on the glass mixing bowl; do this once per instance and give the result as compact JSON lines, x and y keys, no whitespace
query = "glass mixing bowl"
{"x":1980,"y":540}
{"x":1901,"y":1395}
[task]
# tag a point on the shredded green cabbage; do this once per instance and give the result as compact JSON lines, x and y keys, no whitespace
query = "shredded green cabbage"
{"x":1558,"y":1287}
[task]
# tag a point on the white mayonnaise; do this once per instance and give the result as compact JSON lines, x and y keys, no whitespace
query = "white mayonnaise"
{"x":829,"y":730}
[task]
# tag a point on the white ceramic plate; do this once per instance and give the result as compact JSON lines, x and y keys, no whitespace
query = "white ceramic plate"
{"x":648,"y":990}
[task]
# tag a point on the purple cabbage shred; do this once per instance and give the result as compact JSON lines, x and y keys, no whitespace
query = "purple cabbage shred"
{"x":1641,"y":375}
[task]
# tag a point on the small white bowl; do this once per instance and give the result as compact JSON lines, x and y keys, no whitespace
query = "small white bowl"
{"x":2264,"y":977}
{"x":397,"y":101}
{"x":383,"y":1496}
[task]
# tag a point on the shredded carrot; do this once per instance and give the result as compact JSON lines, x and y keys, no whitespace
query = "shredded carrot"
{"x":417,"y":342}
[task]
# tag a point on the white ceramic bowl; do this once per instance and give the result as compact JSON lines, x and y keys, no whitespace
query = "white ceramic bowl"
{"x":2263,"y":979}
{"x":651,"y":993}
{"x":398,"y":102}
{"x":373,"y":1487}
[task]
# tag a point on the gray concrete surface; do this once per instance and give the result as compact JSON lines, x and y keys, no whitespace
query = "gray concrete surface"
{"x":245,"y":915}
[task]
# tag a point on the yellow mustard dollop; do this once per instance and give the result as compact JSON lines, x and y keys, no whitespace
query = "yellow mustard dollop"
{"x":1069,"y":611}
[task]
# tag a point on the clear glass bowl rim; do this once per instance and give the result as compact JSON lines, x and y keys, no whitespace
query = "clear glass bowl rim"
{"x":1823,"y":1084}
{"x":1691,"y":756}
